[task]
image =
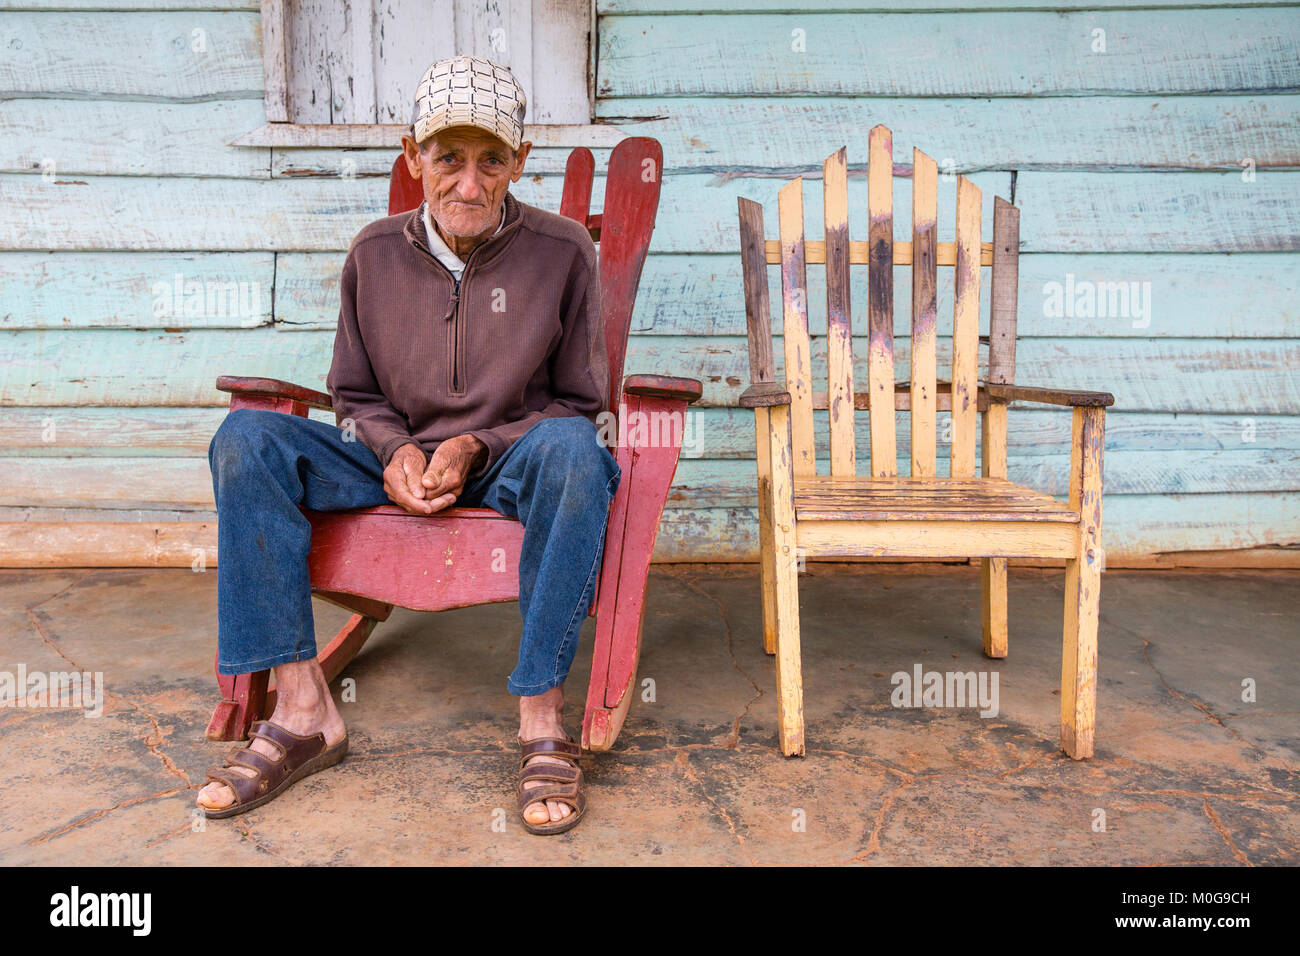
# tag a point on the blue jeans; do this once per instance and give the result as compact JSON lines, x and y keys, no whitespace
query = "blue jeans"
{"x":556,"y":479}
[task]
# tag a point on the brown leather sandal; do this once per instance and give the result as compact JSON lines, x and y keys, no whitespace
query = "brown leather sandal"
{"x":566,"y":783}
{"x":299,"y":757}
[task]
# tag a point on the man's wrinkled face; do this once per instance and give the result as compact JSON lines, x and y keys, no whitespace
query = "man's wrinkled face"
{"x":466,"y":173}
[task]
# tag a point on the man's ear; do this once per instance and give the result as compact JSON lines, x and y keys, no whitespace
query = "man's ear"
{"x":521,"y":154}
{"x":412,"y":154}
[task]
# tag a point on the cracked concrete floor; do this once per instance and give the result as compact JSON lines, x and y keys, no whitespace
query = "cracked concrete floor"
{"x":1185,"y":771}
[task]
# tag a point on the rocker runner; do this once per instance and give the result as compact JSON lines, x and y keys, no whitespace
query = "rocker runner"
{"x":470,"y":364}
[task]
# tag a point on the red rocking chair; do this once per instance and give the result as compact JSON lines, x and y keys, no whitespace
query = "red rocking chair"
{"x":369,"y":560}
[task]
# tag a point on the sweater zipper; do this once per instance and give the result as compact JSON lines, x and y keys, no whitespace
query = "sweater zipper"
{"x":453,"y":316}
{"x":453,"y":313}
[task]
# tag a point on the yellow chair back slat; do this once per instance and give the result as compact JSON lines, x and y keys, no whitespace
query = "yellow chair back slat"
{"x":798,"y":349}
{"x":880,"y":301}
{"x":925,"y":284}
{"x":965,"y":330}
{"x":839,"y":322}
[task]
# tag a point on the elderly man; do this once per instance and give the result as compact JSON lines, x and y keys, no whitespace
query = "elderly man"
{"x":470,"y":362}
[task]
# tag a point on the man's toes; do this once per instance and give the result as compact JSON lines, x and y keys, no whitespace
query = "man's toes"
{"x":216,"y":796}
{"x":537,"y":813}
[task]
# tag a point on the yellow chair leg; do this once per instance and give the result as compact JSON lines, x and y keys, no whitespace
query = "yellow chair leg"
{"x":993,"y":593}
{"x":789,"y":677}
{"x":766,"y":549}
{"x":1083,"y":588}
{"x":993,"y":571}
{"x":1079,"y":658}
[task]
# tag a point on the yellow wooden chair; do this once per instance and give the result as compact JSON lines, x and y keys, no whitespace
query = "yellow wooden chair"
{"x":923,"y":514}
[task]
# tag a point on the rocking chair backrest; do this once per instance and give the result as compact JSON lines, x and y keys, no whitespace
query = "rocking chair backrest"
{"x":623,"y":230}
{"x":925,"y":395}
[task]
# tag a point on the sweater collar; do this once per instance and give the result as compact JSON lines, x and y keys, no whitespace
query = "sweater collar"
{"x":491,"y":247}
{"x":443,"y":252}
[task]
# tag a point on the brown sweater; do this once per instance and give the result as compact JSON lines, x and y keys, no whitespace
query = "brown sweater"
{"x":419,"y":359}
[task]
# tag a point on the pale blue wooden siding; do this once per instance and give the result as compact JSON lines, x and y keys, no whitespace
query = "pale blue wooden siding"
{"x":117,"y":189}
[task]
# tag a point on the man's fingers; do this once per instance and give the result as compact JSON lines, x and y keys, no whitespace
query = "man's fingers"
{"x":413,"y":474}
{"x":402,"y":485}
{"x":446,"y":500}
{"x":432,"y":477}
{"x":404,"y":498}
{"x":441,"y":480}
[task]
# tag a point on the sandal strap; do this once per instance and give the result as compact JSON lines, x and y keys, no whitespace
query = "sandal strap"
{"x":244,"y":788}
{"x":295,"y":748}
{"x":570,"y":795}
{"x":551,"y":771}
{"x":560,"y":747}
{"x":279,"y":748}
{"x":260,"y":764}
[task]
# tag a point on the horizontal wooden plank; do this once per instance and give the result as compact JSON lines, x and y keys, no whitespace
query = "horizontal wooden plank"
{"x":1003,"y":53}
{"x":342,"y":163}
{"x":696,"y":213}
{"x":364,"y":135}
{"x":138,"y":213}
{"x":307,"y":290}
{"x":794,"y":134}
{"x":1031,"y":431}
{"x":1210,"y":295}
{"x":1137,"y":525}
{"x":710,"y":432}
{"x":117,"y":483}
{"x":97,"y":366}
{"x":131,"y":138}
{"x":110,"y":432}
{"x":102,"y":515}
{"x":609,"y":8}
{"x":787,"y":135}
{"x":1061,"y":212}
{"x":167,"y":55}
{"x":1140,"y":295}
{"x":1162,"y":212}
{"x":93,"y":544}
{"x":131,"y":5}
{"x":87,"y":290}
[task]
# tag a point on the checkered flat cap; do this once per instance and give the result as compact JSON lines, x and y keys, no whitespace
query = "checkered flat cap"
{"x":470,"y":91}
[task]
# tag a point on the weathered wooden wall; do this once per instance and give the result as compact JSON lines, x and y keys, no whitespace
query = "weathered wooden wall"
{"x":116,"y":177}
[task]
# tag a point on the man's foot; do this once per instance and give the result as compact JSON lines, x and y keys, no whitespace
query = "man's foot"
{"x":543,"y":716}
{"x":303,"y":706}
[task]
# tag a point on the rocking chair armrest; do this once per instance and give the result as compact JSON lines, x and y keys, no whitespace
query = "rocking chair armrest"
{"x":1069,"y":398}
{"x":764,"y":395}
{"x":240,"y":384}
{"x":663,"y":386}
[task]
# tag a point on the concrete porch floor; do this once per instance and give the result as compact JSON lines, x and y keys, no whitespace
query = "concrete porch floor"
{"x":1185,"y":771}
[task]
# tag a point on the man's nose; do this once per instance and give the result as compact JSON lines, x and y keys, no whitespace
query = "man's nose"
{"x":469,"y":186}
